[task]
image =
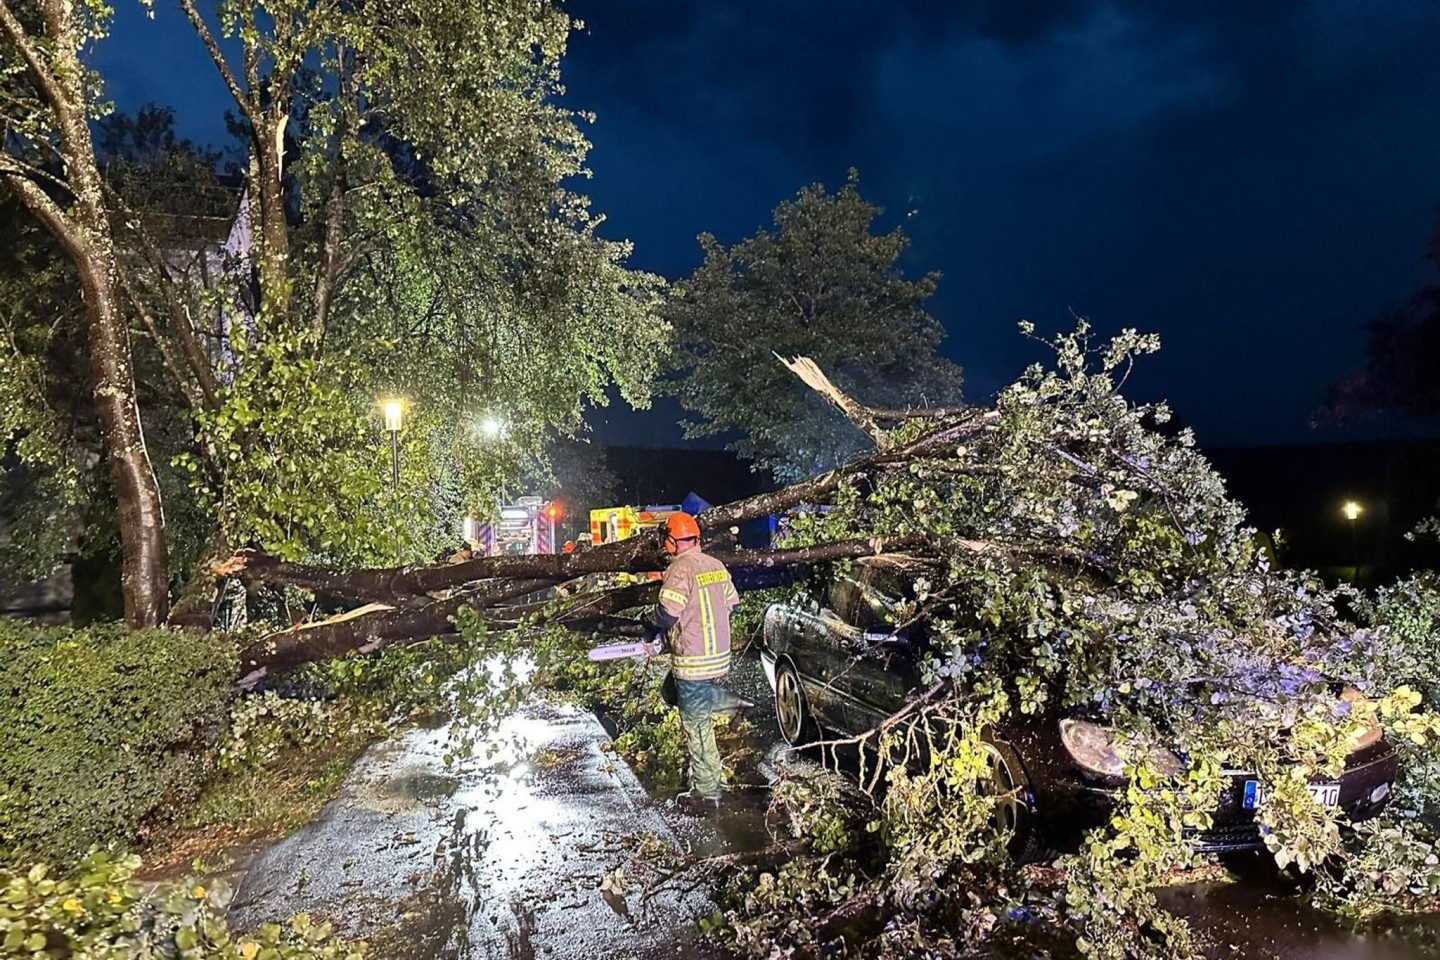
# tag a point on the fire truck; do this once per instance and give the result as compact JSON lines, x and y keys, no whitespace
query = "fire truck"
{"x":609,"y":524}
{"x":526,"y":526}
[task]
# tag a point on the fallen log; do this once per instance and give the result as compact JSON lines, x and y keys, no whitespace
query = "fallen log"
{"x":377,"y":626}
{"x":417,"y":586}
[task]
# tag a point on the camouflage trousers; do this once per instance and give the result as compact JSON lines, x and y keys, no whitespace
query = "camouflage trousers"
{"x":696,"y":700}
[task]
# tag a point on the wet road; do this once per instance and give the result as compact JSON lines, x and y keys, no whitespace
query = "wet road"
{"x":1255,"y":916}
{"x":506,"y":856}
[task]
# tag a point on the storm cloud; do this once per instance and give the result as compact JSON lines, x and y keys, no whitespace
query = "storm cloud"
{"x":1251,"y":180}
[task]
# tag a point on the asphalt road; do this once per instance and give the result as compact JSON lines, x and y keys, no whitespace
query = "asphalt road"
{"x":504,"y":857}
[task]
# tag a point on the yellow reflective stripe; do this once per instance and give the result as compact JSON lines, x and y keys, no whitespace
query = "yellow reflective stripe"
{"x":700,"y":659}
{"x":731,"y":597}
{"x":712,"y":576}
{"x":694,"y":667}
{"x":674,"y":596}
{"x":707,"y":622}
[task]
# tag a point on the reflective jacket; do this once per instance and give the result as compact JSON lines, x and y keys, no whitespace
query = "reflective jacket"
{"x":698,"y":593}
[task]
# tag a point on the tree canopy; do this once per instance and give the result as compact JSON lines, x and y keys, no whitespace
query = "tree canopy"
{"x":403,"y":225}
{"x":1402,"y":350}
{"x":1072,"y":561}
{"x":822,"y":284}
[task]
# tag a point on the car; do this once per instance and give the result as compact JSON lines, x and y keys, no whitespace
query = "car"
{"x":840,"y":666}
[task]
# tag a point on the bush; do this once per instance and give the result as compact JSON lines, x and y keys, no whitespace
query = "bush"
{"x":100,"y":728}
{"x":99,"y":912}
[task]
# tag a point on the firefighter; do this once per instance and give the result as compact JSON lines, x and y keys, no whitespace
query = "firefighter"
{"x":693,"y":621}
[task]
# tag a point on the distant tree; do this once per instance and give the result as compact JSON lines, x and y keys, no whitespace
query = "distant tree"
{"x":46,"y":419}
{"x":1401,"y":358}
{"x":822,"y":284}
{"x":576,"y":472}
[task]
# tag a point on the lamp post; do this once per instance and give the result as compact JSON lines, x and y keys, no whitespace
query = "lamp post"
{"x":394,"y":418}
{"x":1352,"y":511}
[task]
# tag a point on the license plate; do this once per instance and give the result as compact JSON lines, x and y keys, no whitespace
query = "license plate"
{"x":1325,"y":794}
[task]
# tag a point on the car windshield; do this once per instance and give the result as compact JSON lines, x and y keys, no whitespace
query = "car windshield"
{"x":884,"y":586}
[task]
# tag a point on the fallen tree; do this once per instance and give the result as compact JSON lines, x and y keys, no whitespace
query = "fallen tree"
{"x":415,"y":603}
{"x":1077,"y":559}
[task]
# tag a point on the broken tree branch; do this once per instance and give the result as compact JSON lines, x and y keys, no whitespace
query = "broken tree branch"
{"x":814,"y":378}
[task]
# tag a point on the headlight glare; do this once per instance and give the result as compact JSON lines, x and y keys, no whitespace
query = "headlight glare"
{"x":1093,"y":747}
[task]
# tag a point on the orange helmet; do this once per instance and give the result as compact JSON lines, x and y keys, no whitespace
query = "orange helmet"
{"x":679,"y":526}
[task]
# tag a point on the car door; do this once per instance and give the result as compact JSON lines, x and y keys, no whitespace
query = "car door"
{"x":885,"y":668}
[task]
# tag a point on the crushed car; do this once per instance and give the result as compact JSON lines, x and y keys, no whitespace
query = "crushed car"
{"x":840,"y":666}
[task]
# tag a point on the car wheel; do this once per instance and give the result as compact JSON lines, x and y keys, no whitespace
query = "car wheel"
{"x":791,"y":709}
{"x":1005,"y":780}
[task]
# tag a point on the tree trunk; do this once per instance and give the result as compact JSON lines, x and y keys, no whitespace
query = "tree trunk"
{"x":272,"y":229}
{"x":377,"y":626}
{"x":143,"y":573}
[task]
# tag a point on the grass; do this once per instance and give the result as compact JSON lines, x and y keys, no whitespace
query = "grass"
{"x":244,"y":809}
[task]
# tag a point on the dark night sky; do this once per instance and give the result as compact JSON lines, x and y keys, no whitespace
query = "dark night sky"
{"x":1251,"y":179}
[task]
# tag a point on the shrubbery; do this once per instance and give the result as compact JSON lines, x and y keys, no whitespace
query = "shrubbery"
{"x":102,"y":727}
{"x":98,"y":912}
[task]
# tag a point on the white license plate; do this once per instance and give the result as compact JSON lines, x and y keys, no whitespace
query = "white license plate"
{"x":1325,"y":794}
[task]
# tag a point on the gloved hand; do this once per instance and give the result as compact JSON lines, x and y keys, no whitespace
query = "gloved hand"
{"x":656,"y":644}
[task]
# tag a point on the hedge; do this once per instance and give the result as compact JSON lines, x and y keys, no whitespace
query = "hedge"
{"x":101,"y":729}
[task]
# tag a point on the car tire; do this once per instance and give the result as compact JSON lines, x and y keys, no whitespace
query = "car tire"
{"x":792,"y":710}
{"x":1015,"y":814}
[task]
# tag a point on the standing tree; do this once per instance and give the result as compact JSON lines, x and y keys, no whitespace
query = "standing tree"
{"x":822,"y":285}
{"x":49,"y":98}
{"x":404,"y":229}
{"x":412,"y":236}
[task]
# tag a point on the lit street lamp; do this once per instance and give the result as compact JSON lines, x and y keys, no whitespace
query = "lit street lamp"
{"x":1352,"y":511}
{"x":394,"y":417}
{"x":492,"y":428}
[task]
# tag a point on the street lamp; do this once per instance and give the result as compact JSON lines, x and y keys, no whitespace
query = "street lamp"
{"x":1352,"y":511}
{"x":492,"y":428}
{"x":394,"y":417}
